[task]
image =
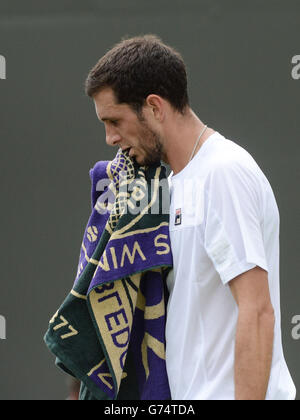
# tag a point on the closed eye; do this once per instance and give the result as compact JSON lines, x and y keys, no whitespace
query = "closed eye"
{"x":113,"y":122}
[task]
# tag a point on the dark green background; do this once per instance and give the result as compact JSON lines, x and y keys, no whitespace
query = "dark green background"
{"x":238,"y":55}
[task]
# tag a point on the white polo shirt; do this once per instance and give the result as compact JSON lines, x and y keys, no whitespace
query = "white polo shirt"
{"x":223,"y":221}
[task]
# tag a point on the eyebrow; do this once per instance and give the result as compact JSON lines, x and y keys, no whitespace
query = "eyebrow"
{"x":107,"y":119}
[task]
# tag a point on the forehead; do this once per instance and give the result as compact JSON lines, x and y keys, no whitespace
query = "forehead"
{"x":107,"y":108}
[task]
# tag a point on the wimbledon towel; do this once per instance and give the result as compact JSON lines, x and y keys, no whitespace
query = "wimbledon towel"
{"x":110,"y":330}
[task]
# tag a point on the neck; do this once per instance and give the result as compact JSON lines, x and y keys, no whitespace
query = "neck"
{"x":182,"y":135}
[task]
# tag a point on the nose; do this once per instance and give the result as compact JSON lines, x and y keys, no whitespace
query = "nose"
{"x":112,"y":137}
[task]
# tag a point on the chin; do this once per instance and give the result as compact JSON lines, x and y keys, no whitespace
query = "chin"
{"x":145,"y":161}
{"x":165,"y":160}
{"x":140,"y":160}
{"x":137,"y":159}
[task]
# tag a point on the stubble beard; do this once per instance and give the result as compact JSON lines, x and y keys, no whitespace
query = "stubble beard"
{"x":151,"y":145}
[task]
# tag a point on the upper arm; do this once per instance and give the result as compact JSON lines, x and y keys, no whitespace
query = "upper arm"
{"x":251,"y":291}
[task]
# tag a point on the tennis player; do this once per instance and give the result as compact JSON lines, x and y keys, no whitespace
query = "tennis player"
{"x":223,"y":329}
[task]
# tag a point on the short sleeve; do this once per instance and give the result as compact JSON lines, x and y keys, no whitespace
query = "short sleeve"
{"x":233,"y":237}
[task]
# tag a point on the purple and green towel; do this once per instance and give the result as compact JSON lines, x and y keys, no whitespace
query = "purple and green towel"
{"x":110,"y":331}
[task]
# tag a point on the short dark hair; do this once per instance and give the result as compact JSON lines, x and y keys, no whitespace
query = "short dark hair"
{"x":137,"y":67}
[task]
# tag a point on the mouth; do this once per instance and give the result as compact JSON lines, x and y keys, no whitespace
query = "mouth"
{"x":126,"y":151}
{"x":129,"y":152}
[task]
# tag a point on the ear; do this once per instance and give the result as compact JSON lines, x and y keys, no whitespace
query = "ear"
{"x":156,"y":106}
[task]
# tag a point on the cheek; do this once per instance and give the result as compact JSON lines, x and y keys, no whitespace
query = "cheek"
{"x":130,"y":134}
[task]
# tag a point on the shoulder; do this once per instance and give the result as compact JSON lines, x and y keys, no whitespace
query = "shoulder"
{"x":231,"y":161}
{"x":233,"y":174}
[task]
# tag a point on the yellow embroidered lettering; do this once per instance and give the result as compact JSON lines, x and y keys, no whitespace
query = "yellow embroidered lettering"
{"x":131,"y":257}
{"x":105,"y":266}
{"x":114,"y":257}
{"x":161,"y":245}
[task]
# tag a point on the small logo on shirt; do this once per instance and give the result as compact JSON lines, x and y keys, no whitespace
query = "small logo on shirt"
{"x":178,"y":217}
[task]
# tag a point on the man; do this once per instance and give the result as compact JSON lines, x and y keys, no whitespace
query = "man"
{"x":223,"y":329}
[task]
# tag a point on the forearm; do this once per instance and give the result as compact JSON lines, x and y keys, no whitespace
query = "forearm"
{"x":253,"y":355}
